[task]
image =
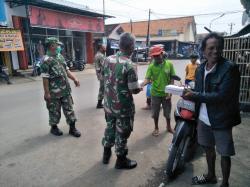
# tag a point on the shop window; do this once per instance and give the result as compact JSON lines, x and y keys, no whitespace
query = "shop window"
{"x":37,"y":30}
{"x":38,"y":46}
{"x":79,"y":48}
{"x":78,"y":34}
{"x":68,"y":33}
{"x":62,"y":33}
{"x":65,"y":33}
{"x":67,"y":47}
{"x":52,"y":32}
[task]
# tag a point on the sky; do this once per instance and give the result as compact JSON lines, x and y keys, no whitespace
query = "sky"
{"x":226,"y":12}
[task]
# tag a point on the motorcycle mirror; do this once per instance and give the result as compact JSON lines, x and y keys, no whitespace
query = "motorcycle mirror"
{"x":175,"y":77}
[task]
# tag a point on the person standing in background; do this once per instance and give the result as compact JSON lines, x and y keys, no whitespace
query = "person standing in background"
{"x":99,"y":58}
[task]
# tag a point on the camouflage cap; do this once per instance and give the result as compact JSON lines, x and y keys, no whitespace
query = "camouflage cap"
{"x":52,"y":40}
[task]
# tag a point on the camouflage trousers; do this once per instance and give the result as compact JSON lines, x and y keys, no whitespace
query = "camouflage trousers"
{"x":117,"y":132}
{"x":54,"y":107}
{"x":101,"y":90}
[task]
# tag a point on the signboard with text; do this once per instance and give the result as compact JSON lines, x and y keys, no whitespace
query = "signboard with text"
{"x":54,"y":19}
{"x":11,"y":40}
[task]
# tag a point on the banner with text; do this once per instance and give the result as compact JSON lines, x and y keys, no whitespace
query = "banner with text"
{"x":11,"y":40}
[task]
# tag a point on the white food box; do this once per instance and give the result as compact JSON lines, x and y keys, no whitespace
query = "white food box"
{"x":175,"y":90}
{"x":140,"y":82}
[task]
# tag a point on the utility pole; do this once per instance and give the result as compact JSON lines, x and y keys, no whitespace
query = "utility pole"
{"x":131,"y":26}
{"x":147,"y":40}
{"x":231,"y":27}
{"x":103,"y":5}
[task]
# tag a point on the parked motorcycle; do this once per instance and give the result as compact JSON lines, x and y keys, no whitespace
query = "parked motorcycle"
{"x":37,"y":68}
{"x":184,"y":140}
{"x":79,"y":64}
{"x":76,"y":64}
{"x":69,"y":63}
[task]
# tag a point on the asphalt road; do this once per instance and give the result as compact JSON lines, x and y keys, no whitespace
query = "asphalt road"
{"x":30,"y":156}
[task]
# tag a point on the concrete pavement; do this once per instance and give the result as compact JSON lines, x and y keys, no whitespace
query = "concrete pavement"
{"x":30,"y":156}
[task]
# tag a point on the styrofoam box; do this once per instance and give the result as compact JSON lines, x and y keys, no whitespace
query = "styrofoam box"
{"x":173,"y":89}
{"x":140,"y":81}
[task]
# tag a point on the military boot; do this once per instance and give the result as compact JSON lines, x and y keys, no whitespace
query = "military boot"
{"x":123,"y":162}
{"x":106,"y":155}
{"x":99,"y":104}
{"x":73,"y":131}
{"x":56,"y":131}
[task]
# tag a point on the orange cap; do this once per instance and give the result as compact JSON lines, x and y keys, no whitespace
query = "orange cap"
{"x":156,"y":50}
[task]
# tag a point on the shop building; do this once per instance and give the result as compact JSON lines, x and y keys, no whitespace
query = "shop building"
{"x":73,"y":24}
{"x":177,"y":35}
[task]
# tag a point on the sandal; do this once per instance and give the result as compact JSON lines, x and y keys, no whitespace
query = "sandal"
{"x":170,"y":130}
{"x":155,"y":132}
{"x":203,"y":179}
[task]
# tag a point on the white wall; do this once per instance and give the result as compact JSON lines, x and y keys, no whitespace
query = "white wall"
{"x":17,"y":11}
{"x":114,"y":34}
{"x":189,"y":34}
{"x":180,"y":37}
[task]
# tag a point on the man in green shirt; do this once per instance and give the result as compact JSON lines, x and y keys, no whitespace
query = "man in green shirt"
{"x":159,"y":73}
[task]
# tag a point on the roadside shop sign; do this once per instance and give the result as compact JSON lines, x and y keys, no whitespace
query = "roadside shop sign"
{"x":41,"y":17}
{"x":11,"y":40}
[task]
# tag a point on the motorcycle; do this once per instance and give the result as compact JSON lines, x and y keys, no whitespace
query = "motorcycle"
{"x":184,"y":140}
{"x":79,"y":64}
{"x":37,"y":68}
{"x":76,"y":64}
{"x":69,"y":63}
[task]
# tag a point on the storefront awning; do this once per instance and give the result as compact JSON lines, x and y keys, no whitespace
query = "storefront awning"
{"x":57,"y":6}
{"x":48,"y":18}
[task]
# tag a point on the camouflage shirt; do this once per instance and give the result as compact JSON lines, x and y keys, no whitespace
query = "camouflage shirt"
{"x":120,"y":77}
{"x":99,"y":58}
{"x":55,"y":69}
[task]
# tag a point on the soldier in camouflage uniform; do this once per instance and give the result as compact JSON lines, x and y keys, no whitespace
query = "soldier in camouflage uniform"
{"x":99,"y":58}
{"x":120,"y":82}
{"x":57,"y":91}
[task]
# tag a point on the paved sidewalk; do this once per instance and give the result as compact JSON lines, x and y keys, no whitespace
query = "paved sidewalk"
{"x":26,"y":77}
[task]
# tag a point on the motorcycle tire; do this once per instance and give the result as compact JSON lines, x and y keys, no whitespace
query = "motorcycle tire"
{"x":190,"y":152}
{"x":175,"y":161}
{"x":81,"y":68}
{"x":39,"y":72}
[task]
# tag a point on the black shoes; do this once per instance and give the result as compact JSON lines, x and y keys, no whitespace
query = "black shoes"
{"x":73,"y":131}
{"x":56,"y":131}
{"x":99,"y":104}
{"x":106,"y":155}
{"x":123,"y":162}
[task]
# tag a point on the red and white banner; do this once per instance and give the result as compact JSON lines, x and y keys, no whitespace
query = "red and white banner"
{"x":54,"y":19}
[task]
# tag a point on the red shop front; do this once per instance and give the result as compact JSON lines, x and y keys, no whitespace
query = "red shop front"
{"x":75,"y":31}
